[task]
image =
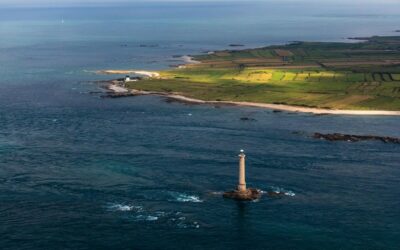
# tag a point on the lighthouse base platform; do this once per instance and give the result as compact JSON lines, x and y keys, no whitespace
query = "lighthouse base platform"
{"x":248,"y":195}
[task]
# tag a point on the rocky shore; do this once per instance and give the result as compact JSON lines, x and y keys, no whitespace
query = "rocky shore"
{"x":249,"y":195}
{"x":355,"y":138}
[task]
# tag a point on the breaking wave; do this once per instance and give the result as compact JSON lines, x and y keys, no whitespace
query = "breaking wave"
{"x":142,"y":217}
{"x":279,"y":190}
{"x":160,"y":218}
{"x":182,"y":197}
{"x":123,"y":207}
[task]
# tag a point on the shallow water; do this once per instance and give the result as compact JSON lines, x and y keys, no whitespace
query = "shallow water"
{"x":81,"y":172}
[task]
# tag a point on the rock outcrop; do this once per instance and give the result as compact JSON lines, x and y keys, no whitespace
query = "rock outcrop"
{"x":248,"y":195}
{"x":355,"y":138}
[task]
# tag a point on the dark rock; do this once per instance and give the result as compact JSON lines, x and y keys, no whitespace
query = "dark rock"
{"x":277,"y":111}
{"x":274,"y":194}
{"x":173,"y":100}
{"x":236,"y":45}
{"x":148,"y":45}
{"x":249,"y":195}
{"x":117,"y":95}
{"x":355,"y":138}
{"x":297,"y":132}
{"x":247,"y":119}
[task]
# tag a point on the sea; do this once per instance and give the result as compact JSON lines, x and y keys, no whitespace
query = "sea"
{"x":78,"y":171}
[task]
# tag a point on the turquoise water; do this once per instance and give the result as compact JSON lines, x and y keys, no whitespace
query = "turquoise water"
{"x":81,"y":172}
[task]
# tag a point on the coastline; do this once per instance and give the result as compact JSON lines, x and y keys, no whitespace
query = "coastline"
{"x":145,"y":73}
{"x":281,"y":107}
{"x":350,"y":99}
{"x":189,"y":60}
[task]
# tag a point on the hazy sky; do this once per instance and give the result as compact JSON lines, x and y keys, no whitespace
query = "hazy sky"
{"x":93,"y":2}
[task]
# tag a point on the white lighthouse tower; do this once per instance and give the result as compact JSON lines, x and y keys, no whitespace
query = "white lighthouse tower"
{"x":243,"y":193}
{"x":242,"y":172}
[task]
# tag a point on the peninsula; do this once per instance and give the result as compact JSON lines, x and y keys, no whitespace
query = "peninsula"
{"x":359,"y":77}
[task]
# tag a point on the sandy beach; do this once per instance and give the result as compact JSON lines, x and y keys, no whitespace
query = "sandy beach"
{"x":125,"y":72}
{"x":189,"y":60}
{"x":281,"y":107}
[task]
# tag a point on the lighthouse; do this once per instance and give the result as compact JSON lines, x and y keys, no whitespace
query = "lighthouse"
{"x":242,"y":172}
{"x":242,"y":193}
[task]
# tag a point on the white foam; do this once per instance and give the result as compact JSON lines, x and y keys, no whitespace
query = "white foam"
{"x":280,"y":190}
{"x":146,"y":218}
{"x":119,"y":207}
{"x":123,"y":207}
{"x":290,"y":193}
{"x":187,"y":198}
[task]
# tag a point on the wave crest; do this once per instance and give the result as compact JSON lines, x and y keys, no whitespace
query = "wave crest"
{"x":123,"y":207}
{"x":182,"y":197}
{"x":280,"y":191}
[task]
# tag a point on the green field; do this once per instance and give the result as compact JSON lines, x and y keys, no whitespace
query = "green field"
{"x":362,"y":75}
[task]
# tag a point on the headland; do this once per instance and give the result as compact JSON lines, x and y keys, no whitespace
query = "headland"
{"x":361,"y":78}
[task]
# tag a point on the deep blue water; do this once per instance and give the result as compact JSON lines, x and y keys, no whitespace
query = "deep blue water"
{"x":81,"y":172}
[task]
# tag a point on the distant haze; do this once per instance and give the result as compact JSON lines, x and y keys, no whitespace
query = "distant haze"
{"x":38,"y":3}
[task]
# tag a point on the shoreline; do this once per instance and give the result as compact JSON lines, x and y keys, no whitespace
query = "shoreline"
{"x":119,"y":90}
{"x":189,"y":60}
{"x":151,"y":74}
{"x":281,"y":107}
